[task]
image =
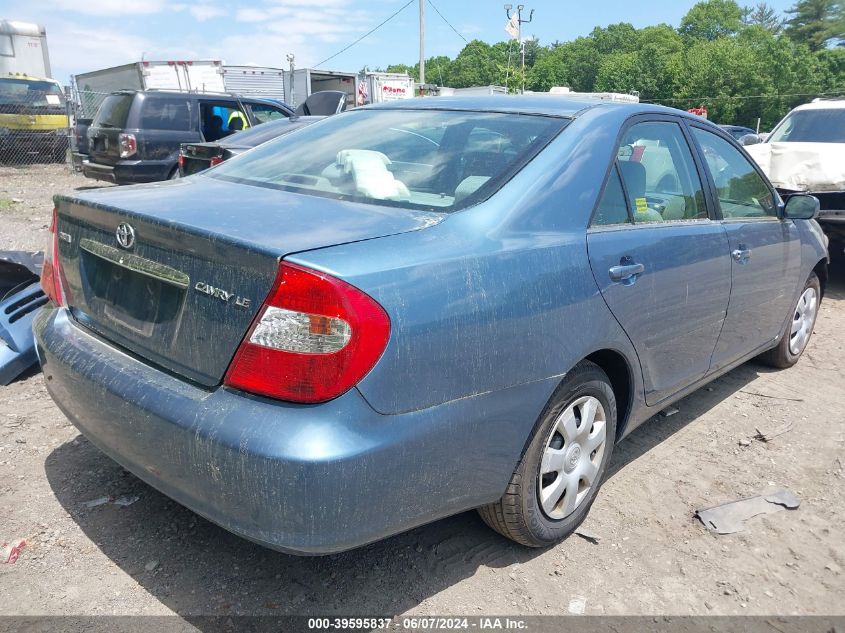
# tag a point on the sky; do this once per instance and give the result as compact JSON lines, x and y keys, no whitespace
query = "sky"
{"x":85,"y":35}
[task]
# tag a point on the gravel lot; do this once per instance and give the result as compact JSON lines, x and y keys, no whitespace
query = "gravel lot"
{"x":652,"y":555}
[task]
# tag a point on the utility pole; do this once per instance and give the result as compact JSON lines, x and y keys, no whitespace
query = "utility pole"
{"x":520,"y":22}
{"x":422,"y":41}
{"x":290,"y":99}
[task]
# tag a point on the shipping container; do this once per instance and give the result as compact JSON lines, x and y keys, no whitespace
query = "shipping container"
{"x":307,"y":81}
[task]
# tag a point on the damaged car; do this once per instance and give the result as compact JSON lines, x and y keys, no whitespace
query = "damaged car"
{"x":21,"y":297}
{"x":345,"y":333}
{"x":805,"y":153}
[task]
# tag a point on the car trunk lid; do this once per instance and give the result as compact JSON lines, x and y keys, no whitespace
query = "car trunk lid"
{"x":202,"y":255}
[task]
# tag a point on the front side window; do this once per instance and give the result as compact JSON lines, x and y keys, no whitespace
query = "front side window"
{"x":823,"y":125}
{"x":660,"y":178}
{"x":421,"y":159}
{"x":741,"y":191}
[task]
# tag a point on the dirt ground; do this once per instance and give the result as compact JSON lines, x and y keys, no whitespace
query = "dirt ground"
{"x":652,"y":555}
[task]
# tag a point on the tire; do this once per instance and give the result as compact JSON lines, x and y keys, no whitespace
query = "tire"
{"x":521,"y":514}
{"x":792,"y":344}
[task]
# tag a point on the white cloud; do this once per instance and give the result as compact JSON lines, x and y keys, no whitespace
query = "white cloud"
{"x":203,"y":12}
{"x":107,"y":7}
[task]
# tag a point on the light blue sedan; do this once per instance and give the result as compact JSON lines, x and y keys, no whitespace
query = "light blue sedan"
{"x":409,"y":310}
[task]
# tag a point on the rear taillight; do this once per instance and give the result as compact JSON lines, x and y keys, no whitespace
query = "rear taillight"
{"x":314,"y":338}
{"x":128,"y":146}
{"x":51,"y":273}
{"x":181,"y":161}
{"x":216,"y":160}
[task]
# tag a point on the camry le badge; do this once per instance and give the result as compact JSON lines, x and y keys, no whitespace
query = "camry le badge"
{"x":125,"y":235}
{"x":223,"y":295}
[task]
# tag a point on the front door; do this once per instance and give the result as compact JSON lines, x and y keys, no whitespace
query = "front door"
{"x":765,"y":251}
{"x":660,"y":261}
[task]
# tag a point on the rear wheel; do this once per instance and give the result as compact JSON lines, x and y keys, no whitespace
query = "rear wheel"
{"x":799,"y":328}
{"x":559,"y":475}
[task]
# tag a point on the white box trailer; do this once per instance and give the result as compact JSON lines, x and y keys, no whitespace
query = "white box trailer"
{"x":199,"y":76}
{"x":255,"y":81}
{"x":307,"y":81}
{"x":23,"y":49}
{"x":389,"y":87}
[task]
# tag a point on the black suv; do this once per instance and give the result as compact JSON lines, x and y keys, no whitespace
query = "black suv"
{"x":135,"y":135}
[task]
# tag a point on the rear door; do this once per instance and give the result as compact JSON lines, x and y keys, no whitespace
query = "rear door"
{"x":164,"y":123}
{"x":659,"y":259}
{"x":765,"y":250}
{"x":108,"y":124}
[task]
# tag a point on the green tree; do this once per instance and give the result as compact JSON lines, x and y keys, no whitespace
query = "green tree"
{"x":815,"y":22}
{"x":764,"y":16}
{"x":712,"y":19}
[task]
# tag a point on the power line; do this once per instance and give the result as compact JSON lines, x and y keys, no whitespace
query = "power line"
{"x":447,"y":22}
{"x":368,"y":33}
{"x":769,"y":96}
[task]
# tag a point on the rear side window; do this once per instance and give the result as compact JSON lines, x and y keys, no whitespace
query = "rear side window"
{"x":612,"y":208}
{"x":659,"y":173}
{"x":113,"y":111}
{"x":165,"y":114}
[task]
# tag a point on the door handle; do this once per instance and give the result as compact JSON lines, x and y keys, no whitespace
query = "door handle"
{"x":626,"y":272}
{"x":741,"y":254}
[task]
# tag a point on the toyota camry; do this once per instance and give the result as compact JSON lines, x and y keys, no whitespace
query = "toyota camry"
{"x":410,"y":310}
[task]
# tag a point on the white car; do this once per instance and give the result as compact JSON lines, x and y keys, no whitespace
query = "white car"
{"x":806,"y":152}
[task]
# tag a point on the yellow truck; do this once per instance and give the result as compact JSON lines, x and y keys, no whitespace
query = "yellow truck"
{"x":33,"y":119}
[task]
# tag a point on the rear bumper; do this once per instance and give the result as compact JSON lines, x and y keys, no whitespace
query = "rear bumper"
{"x":128,"y":172}
{"x":302,"y":479}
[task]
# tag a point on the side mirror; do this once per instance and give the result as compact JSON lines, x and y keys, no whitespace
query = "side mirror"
{"x":801,"y":206}
{"x":750,"y":139}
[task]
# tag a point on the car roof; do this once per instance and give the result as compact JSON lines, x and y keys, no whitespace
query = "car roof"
{"x":823,"y":104}
{"x":542,"y":104}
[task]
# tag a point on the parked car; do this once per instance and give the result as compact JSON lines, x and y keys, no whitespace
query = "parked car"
{"x":79,"y":142}
{"x":805,"y":153}
{"x":404,"y":312}
{"x":195,"y":157}
{"x":737,"y":131}
{"x":135,"y":135}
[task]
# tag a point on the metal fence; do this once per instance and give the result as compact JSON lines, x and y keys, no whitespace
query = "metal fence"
{"x":45,"y":127}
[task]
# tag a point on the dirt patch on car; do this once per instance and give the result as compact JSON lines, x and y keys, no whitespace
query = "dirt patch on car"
{"x":99,"y":541}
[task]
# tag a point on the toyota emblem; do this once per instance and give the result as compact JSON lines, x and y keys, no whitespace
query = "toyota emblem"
{"x":125,"y":235}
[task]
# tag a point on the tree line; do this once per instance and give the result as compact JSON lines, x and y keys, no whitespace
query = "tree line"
{"x":740,"y":62}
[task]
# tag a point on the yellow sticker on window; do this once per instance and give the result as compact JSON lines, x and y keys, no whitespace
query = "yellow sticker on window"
{"x":642,"y":205}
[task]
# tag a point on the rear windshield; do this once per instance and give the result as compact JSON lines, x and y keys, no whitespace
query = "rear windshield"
{"x":39,"y":94}
{"x":113,"y":111}
{"x":811,"y":126}
{"x":425,"y":159}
